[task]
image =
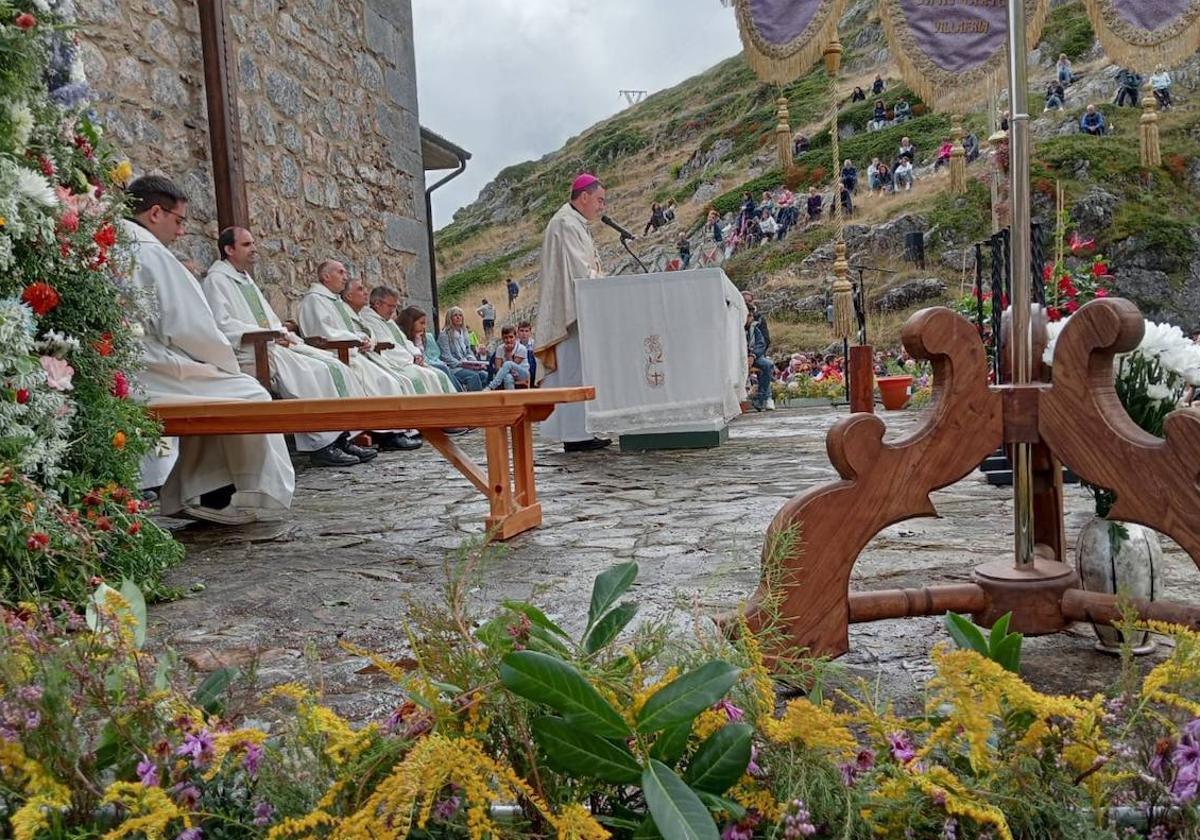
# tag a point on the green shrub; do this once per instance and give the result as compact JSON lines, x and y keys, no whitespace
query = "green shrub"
{"x":1068,"y":30}
{"x":452,"y":289}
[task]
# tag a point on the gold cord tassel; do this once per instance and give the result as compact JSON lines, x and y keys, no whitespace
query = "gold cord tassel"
{"x":958,"y":157}
{"x":783,"y":134}
{"x":843,"y":294}
{"x":1151,"y":151}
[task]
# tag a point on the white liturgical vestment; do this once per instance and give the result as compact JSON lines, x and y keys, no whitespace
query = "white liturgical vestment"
{"x":325,"y":315}
{"x":297,"y":371}
{"x":425,"y":380}
{"x":188,"y":359}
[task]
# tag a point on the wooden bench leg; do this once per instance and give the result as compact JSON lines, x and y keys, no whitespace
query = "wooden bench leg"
{"x":522,"y":446}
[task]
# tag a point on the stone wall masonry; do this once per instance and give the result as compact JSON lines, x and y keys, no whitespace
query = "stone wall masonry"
{"x":327,"y":103}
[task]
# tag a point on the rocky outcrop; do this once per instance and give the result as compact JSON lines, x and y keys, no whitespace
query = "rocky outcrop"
{"x":909,"y":294}
{"x":701,"y":161}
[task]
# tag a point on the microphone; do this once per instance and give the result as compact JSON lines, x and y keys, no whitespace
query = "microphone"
{"x":624,"y":233}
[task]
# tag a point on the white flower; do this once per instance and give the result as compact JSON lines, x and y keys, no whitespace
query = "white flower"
{"x":54,"y":343}
{"x":1159,"y":392}
{"x":22,"y":124}
{"x":1053,"y":329}
{"x":36,"y":188}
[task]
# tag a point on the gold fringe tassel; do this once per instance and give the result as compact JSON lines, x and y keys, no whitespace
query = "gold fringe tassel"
{"x":1143,"y":51}
{"x":783,"y":134}
{"x":843,"y":294}
{"x":942,"y":89}
{"x":1151,"y":151}
{"x":783,"y":65}
{"x":958,"y":157}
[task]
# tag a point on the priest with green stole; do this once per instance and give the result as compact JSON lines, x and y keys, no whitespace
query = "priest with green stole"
{"x":379,"y":318}
{"x":297,"y":370}
{"x":568,"y":254}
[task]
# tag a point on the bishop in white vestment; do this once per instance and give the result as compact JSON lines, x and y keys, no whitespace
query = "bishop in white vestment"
{"x":568,"y":253}
{"x":188,"y":359}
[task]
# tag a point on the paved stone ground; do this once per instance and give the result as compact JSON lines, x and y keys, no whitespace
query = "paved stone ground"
{"x":360,"y":544}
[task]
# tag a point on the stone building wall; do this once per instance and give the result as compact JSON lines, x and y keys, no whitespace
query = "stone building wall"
{"x":327,"y":103}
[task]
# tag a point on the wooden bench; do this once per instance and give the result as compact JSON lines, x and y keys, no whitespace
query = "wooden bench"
{"x":507,"y":418}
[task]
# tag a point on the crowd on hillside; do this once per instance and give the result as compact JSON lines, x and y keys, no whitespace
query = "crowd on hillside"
{"x":1127,"y":91}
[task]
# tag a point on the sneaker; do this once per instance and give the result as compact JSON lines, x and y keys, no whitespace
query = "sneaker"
{"x":361,"y":453}
{"x":228,"y":515}
{"x":586,"y":445}
{"x":455,"y":431}
{"x":395,"y":442}
{"x":770,"y":403}
{"x":331,"y":456}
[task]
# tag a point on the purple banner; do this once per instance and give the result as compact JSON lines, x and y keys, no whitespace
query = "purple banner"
{"x":779,"y":22}
{"x":1152,"y":15}
{"x":954,"y":35}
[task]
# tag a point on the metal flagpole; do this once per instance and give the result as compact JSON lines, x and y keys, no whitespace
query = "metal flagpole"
{"x":1022,"y":342}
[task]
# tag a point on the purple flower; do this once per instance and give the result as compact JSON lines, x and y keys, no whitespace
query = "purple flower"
{"x":199,"y":746}
{"x":186,"y":795}
{"x":147,"y":773}
{"x":263,"y":813}
{"x":1186,"y":760}
{"x":254,"y":754}
{"x":33,"y":719}
{"x":797,"y":822}
{"x":447,"y":808}
{"x":752,"y":767}
{"x":901,"y":747}
{"x":30,"y":693}
{"x":190,"y":834}
{"x":731,"y":711}
{"x":950,"y":829}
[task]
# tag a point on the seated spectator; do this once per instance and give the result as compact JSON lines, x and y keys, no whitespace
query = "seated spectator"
{"x":877,"y":86}
{"x":657,"y":218}
{"x":971,"y":146}
{"x":669,"y":211}
{"x":767,"y":202}
{"x":1160,"y":82}
{"x":847,"y":202}
{"x":883,"y":177}
{"x":456,"y":352}
{"x":510,"y":361}
{"x":800,"y":144}
{"x":749,"y":211}
{"x":685,"y":251}
{"x":1056,"y":96}
{"x":859,"y":95}
{"x":1092,"y":122}
{"x":907,"y":150}
{"x":751,"y":233}
{"x":849,"y":175}
{"x":902,"y":111}
{"x":525,"y":336}
{"x":714,"y":227}
{"x":943,"y":155}
{"x":872,"y":175}
{"x":1128,"y":87}
{"x":902,"y":175}
{"x":756,"y":351}
{"x":814,"y":204}
{"x":786,"y":216}
{"x":878,"y":117}
{"x":1063,"y":70}
{"x":767,"y":225}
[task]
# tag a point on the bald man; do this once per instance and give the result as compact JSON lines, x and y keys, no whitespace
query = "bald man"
{"x":297,"y":371}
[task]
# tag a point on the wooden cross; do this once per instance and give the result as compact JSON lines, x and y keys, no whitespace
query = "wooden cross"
{"x":224,"y":132}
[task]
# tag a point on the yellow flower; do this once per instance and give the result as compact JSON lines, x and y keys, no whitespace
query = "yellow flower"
{"x":753,"y":795}
{"x":298,"y":827}
{"x":1181,"y":670}
{"x":121,"y":173}
{"x":817,"y":727}
{"x":940,"y":785}
{"x":708,"y":722}
{"x":226,"y":742}
{"x":757,"y":673}
{"x":149,"y":811}
{"x":574,"y":822}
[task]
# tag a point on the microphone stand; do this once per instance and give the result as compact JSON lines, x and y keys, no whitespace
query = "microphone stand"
{"x":636,"y":258}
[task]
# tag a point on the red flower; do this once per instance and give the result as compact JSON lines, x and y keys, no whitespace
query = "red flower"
{"x":1053,"y":314}
{"x":103,"y":524}
{"x":105,"y":345}
{"x":37,"y":541}
{"x":41,"y":297}
{"x":133,"y":506}
{"x":69,"y":221}
{"x":1100,"y":270}
{"x":1101,"y":292}
{"x":92,"y":498}
{"x":47,"y":166}
{"x":1047,"y":272}
{"x":1078,"y":244}
{"x":106,"y":237}
{"x":84,"y":146}
{"x":120,"y":386}
{"x":1003,"y":301}
{"x":22,"y":396}
{"x":135,"y":528}
{"x":1072,"y":307}
{"x":25,"y":21}
{"x":99,"y":262}
{"x":64,"y":248}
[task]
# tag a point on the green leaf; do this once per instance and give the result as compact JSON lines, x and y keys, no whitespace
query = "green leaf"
{"x":610,"y":585}
{"x":965,"y":634}
{"x":677,"y":810}
{"x":208,"y":695}
{"x":687,"y":696}
{"x":137,"y":607}
{"x":671,"y":742}
{"x":546,"y":679}
{"x":999,"y":631}
{"x":536,"y":616}
{"x":1008,"y":653}
{"x":108,"y":750}
{"x":647,"y":830}
{"x":571,"y":750}
{"x":720,"y":803}
{"x":721,"y":760}
{"x":610,"y":626}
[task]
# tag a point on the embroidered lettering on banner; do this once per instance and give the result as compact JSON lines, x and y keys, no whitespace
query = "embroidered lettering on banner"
{"x":655,"y":377}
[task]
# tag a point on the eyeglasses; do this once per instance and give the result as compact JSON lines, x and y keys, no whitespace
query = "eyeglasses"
{"x":181,"y":219}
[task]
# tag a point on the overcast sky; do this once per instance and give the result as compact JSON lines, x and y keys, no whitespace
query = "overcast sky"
{"x":510,"y":80}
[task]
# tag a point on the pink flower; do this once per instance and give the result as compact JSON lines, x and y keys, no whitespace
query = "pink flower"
{"x":120,"y":386}
{"x":25,"y":21}
{"x":58,"y":373}
{"x":69,"y":221}
{"x":1101,"y":292}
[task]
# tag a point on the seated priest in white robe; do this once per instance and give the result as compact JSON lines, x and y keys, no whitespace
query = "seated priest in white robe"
{"x":297,"y":370}
{"x":324,"y":315}
{"x":226,"y":478}
{"x":400,"y":357}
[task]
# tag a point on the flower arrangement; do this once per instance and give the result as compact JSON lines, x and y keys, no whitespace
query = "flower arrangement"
{"x":68,"y":424}
{"x":803,"y":386}
{"x":1151,"y":380}
{"x":512,"y":727}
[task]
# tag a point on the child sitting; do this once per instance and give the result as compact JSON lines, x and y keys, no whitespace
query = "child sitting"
{"x":510,"y":361}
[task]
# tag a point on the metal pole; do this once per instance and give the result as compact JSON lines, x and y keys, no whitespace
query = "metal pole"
{"x":1022,"y":343}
